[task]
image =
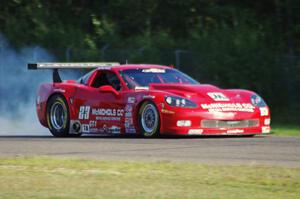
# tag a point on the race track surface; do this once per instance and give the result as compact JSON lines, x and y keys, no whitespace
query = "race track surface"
{"x":261,"y":150}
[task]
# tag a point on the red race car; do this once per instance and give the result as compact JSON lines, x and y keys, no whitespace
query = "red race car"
{"x":148,"y":100}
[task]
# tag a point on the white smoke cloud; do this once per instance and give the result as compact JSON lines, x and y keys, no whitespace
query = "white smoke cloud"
{"x":18,"y":88}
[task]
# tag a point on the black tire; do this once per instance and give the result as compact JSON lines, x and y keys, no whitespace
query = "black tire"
{"x":149,"y":120}
{"x":58,"y":117}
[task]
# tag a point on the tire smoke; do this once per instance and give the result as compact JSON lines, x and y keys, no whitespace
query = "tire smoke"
{"x":18,"y":88}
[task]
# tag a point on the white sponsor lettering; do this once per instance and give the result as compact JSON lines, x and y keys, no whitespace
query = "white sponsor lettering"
{"x":235,"y":131}
{"x":222,"y":107}
{"x":104,"y":118}
{"x":195,"y":131}
{"x":154,"y":70}
{"x":107,"y":112}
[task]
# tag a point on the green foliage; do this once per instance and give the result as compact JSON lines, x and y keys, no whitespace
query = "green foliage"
{"x":286,"y":130}
{"x":245,"y":44}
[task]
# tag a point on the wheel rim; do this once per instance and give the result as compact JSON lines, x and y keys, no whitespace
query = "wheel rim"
{"x":58,"y":115}
{"x":149,"y":118}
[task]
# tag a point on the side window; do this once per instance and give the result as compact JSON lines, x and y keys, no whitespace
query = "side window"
{"x":106,"y":78}
{"x":113,"y":80}
{"x":84,"y":79}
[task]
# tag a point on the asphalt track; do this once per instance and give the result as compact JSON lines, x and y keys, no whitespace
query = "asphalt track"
{"x":260,"y":150}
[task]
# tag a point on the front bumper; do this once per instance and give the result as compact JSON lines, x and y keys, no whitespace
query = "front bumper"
{"x":169,"y":125}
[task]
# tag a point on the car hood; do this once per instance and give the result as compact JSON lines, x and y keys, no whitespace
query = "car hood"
{"x":204,"y":93}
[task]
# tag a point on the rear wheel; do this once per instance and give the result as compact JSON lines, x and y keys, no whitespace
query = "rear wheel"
{"x":149,"y":120}
{"x":58,"y":116}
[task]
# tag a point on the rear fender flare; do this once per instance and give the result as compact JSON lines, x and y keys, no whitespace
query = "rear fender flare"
{"x":71,"y":107}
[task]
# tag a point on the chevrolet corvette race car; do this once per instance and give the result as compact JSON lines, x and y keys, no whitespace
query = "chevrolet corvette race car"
{"x":148,"y":100}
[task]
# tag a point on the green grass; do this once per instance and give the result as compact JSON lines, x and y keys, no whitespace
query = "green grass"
{"x":75,"y":178}
{"x":286,"y":130}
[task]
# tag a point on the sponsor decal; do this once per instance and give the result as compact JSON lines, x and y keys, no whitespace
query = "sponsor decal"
{"x":128,"y":108}
{"x":167,"y":111}
{"x":265,"y":129}
{"x":84,"y":112}
{"x":222,"y":107}
{"x":107,"y":112}
{"x":141,"y":88}
{"x":148,"y":97}
{"x":106,"y":130}
{"x":94,"y":130}
{"x":264,"y":111}
{"x":128,"y":114}
{"x":195,"y":132}
{"x":128,"y":122}
{"x":235,"y":131}
{"x":104,"y":118}
{"x":130,"y":130}
{"x":114,"y":130}
{"x":59,"y":90}
{"x":153,"y":70}
{"x":128,"y":111}
{"x":267,"y":121}
{"x":129,"y":126}
{"x":131,"y":100}
{"x":85,"y":128}
{"x":218,"y":96}
{"x":93,"y":123}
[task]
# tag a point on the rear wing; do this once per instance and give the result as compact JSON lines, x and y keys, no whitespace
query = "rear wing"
{"x":69,"y":65}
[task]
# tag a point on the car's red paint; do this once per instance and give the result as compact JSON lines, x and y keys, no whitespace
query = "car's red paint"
{"x":106,"y":110}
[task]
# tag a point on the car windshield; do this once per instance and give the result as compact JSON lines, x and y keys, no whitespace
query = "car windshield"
{"x":143,"y":77}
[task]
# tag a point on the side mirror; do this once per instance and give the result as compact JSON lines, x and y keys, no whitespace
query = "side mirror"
{"x":108,"y":88}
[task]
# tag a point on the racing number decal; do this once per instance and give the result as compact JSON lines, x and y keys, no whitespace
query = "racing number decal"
{"x":218,"y":96}
{"x":84,"y":112}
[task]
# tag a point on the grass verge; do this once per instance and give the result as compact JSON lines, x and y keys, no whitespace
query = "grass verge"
{"x":77,"y":178}
{"x":286,"y":130}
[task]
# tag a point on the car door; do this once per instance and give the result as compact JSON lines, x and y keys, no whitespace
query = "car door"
{"x":100,"y":104}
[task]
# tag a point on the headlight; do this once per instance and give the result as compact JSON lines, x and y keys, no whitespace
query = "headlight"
{"x":180,"y":102}
{"x":258,"y":101}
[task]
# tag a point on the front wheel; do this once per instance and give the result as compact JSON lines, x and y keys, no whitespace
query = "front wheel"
{"x":58,"y":117}
{"x":149,"y":120}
